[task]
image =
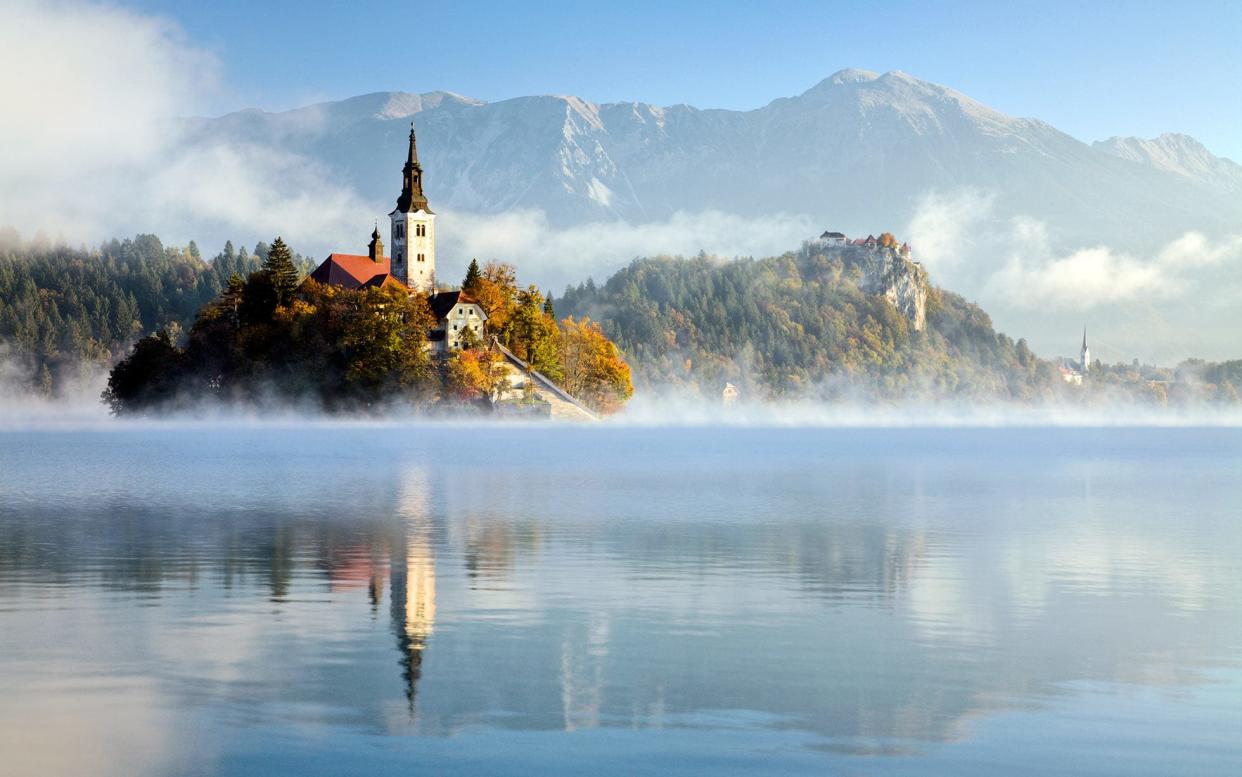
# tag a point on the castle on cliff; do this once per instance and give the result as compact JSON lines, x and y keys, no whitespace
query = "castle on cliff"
{"x":888,"y":271}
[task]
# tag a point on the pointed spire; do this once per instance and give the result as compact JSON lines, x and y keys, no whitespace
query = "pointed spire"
{"x":1084,"y":335}
{"x":412,"y":198}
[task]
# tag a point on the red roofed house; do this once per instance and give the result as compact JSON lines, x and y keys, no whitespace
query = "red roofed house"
{"x":350,"y":271}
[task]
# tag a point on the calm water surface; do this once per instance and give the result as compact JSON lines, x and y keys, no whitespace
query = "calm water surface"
{"x":397,"y":600}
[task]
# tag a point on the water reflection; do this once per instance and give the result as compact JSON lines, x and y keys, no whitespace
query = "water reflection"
{"x":873,"y":602}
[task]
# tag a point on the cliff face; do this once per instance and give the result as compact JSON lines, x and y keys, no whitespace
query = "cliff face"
{"x":889,"y":274}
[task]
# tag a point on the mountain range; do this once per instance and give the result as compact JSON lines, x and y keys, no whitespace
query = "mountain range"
{"x":854,"y":152}
{"x":1139,"y":237}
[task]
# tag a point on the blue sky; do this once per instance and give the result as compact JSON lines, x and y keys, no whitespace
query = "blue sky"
{"x":1093,"y":69}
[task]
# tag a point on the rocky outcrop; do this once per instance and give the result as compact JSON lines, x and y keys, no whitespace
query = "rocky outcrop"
{"x":895,"y":277}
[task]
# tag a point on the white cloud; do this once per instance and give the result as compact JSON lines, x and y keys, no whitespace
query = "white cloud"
{"x":92,"y":96}
{"x":944,"y":226}
{"x":1011,"y":261}
{"x":1033,"y":277}
{"x":555,"y":257}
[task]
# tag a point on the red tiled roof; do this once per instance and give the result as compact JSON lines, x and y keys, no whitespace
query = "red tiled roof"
{"x":350,"y":271}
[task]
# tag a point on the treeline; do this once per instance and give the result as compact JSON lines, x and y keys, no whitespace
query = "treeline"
{"x":64,"y":310}
{"x":276,"y":339}
{"x":800,"y":325}
{"x":1192,"y":382}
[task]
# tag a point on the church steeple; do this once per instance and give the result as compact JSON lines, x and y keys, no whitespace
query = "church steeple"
{"x":412,"y":198}
{"x":376,"y":249}
{"x":413,"y":228}
{"x":1084,"y":357}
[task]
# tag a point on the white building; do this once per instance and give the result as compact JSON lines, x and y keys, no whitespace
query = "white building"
{"x":456,"y":313}
{"x":413,"y":229}
{"x":833,"y":238}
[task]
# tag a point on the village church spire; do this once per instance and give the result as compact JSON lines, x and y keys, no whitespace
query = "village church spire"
{"x":1084,"y":356}
{"x":413,"y":228}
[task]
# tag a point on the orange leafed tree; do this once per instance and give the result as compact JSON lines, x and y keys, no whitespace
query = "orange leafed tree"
{"x":594,"y":369}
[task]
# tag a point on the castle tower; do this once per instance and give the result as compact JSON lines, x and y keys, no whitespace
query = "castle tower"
{"x":413,"y":228}
{"x":1085,"y":356}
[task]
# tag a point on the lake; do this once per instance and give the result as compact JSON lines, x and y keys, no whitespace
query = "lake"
{"x":190,"y":599}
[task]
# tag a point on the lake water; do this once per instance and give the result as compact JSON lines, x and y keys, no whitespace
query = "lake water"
{"x":543,"y":600}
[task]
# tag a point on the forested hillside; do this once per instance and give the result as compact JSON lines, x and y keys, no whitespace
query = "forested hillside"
{"x":64,"y":309}
{"x":800,"y":325}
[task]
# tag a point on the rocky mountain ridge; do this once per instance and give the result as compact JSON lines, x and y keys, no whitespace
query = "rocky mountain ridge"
{"x":856,"y":149}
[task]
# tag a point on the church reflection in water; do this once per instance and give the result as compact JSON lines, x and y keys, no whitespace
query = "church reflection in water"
{"x":412,"y":580}
{"x":413,"y":604}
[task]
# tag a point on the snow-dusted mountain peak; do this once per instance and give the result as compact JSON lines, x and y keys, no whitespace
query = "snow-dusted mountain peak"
{"x":852,"y":75}
{"x":1179,"y":154}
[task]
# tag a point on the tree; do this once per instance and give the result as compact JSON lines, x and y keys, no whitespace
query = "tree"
{"x":548,"y":310}
{"x":259,"y":298}
{"x":533,"y":336}
{"x":496,"y":293}
{"x":147,"y":377}
{"x":279,"y":266}
{"x":593,"y":368}
{"x":475,"y":374}
{"x":384,"y":341}
{"x":473,"y":276}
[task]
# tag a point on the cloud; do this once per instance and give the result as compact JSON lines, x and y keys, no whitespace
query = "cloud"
{"x":945,"y":225}
{"x":555,"y":257}
{"x":1010,"y":260}
{"x":92,"y":96}
{"x":1033,"y":277}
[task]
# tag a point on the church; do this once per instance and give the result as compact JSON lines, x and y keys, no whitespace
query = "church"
{"x":412,"y":264}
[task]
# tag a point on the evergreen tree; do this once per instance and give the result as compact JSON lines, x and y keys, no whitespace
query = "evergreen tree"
{"x":548,"y":310}
{"x":281,"y":270}
{"x":471,"y":283}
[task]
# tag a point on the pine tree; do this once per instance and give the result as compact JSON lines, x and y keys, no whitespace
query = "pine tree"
{"x":472,"y":277}
{"x":548,"y":310}
{"x":283,"y":272}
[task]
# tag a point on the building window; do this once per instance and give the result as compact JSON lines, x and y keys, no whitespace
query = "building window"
{"x":421,"y":257}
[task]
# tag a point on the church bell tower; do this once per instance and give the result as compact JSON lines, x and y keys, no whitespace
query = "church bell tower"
{"x":413,"y":228}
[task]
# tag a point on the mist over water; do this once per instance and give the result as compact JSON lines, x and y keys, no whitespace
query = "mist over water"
{"x":543,"y":599}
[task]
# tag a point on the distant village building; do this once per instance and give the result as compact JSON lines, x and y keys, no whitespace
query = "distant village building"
{"x":833,"y":238}
{"x":1074,"y":373}
{"x":729,"y":395}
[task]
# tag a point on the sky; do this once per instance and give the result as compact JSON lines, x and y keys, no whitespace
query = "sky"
{"x":1092,"y":69}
